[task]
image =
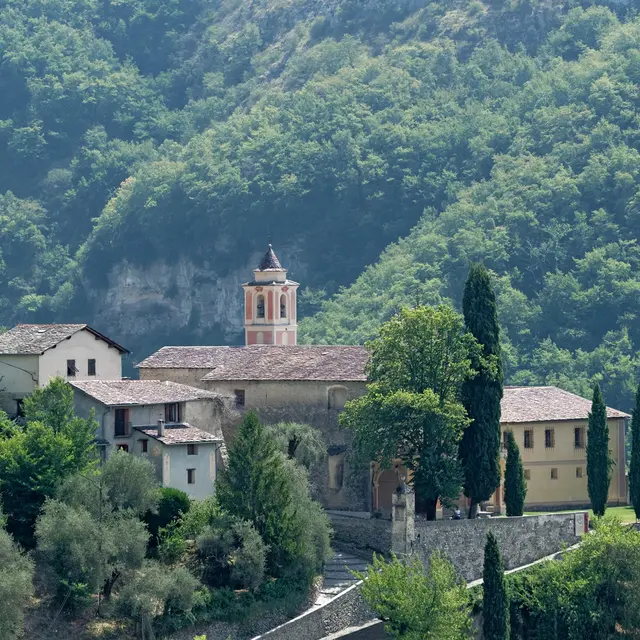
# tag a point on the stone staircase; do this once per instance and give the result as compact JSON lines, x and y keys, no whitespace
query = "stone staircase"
{"x":338,"y":576}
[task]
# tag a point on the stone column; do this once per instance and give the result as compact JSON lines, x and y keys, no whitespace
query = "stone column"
{"x":403,"y":520}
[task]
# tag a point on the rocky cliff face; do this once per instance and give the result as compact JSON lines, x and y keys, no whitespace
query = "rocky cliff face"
{"x":178,"y":302}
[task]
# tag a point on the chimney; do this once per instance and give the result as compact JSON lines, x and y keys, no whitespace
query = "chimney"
{"x":160,"y":428}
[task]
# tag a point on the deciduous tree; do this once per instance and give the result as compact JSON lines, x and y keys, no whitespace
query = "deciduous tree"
{"x":412,"y":408}
{"x":417,"y":602}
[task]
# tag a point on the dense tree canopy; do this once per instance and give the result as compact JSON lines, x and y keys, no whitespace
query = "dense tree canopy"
{"x":501,"y":132}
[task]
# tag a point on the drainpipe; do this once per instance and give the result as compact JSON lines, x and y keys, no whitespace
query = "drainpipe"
{"x":160,"y":428}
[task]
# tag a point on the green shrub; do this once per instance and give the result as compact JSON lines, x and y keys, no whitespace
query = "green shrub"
{"x":173,"y":503}
{"x":156,"y":591}
{"x":231,"y":553}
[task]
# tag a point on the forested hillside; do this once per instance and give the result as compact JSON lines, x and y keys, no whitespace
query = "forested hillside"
{"x":149,"y":147}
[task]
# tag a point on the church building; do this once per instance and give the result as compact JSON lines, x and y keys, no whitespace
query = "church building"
{"x":286,"y":382}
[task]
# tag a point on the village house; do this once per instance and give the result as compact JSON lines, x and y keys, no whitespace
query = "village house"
{"x":282,"y":381}
{"x":175,"y":426}
{"x":32,"y":354}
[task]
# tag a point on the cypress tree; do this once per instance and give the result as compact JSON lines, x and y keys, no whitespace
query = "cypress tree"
{"x":598,"y":459}
{"x":515,"y":486}
{"x":495,"y":625}
{"x":481,"y":396}
{"x":634,"y":470}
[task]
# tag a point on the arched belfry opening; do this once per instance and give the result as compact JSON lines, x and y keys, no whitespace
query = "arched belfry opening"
{"x":273,"y":320}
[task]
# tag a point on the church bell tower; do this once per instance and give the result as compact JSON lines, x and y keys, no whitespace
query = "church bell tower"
{"x":270,"y":304}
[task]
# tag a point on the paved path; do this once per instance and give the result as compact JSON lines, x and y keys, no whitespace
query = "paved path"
{"x":338,"y":576}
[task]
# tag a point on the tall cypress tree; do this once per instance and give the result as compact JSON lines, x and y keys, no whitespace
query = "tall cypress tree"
{"x":481,"y":396}
{"x":515,"y":486}
{"x":495,"y":608}
{"x":598,"y":458}
{"x":634,"y":470}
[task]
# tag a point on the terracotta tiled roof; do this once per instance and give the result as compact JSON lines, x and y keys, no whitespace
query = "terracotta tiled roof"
{"x":179,"y":434}
{"x":35,"y":339}
{"x":270,"y":262}
{"x":140,"y":392}
{"x":265,"y":362}
{"x":545,"y":404}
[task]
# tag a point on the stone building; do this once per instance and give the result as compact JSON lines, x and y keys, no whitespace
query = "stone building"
{"x":177,"y":427}
{"x":32,"y":354}
{"x":285,"y":382}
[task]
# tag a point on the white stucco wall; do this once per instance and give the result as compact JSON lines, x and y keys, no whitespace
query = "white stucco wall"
{"x":18,"y":378}
{"x":204,"y":463}
{"x":80,"y":347}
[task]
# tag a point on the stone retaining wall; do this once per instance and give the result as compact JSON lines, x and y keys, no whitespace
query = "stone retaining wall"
{"x":361,"y":535}
{"x":522,"y":540}
{"x":347,"y":609}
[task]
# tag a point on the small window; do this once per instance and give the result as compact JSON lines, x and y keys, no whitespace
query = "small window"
{"x":528,"y":439}
{"x":283,"y":306}
{"x":240,"y":398}
{"x":20,"y":408}
{"x":121,"y":425}
{"x":527,"y":474}
{"x":173,"y":412}
{"x":71,"y":368}
{"x":91,"y":367}
{"x":144,"y":446}
{"x":554,"y":474}
{"x":578,"y":437}
{"x":260,"y":306}
{"x":505,"y":440}
{"x":549,"y":439}
{"x":191,"y":476}
{"x":123,"y":447}
{"x":337,"y":398}
{"x":578,"y":472}
{"x":192,"y":450}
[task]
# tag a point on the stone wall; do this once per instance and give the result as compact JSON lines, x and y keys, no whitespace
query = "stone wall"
{"x":363,"y":535}
{"x":522,"y":540}
{"x":347,"y":609}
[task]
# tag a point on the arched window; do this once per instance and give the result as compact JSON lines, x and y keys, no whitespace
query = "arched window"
{"x":337,"y":397}
{"x":260,"y":306}
{"x":283,"y":306}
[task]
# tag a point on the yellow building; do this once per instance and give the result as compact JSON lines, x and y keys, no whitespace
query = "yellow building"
{"x":550,"y":427}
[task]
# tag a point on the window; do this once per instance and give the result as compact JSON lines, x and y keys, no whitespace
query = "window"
{"x":121,"y":422}
{"x":336,"y":471}
{"x":505,"y":440}
{"x":260,"y":306}
{"x":191,"y":476}
{"x":144,"y":446}
{"x":239,"y":393}
{"x":549,"y":439}
{"x":578,"y":437}
{"x":20,"y":408}
{"x":337,"y":398}
{"x":192,"y":450}
{"x":173,"y":412}
{"x":71,"y":368}
{"x":528,"y":439}
{"x":554,"y":474}
{"x":91,"y":367}
{"x":283,"y":306}
{"x":527,"y":474}
{"x":123,"y":447}
{"x":578,"y":472}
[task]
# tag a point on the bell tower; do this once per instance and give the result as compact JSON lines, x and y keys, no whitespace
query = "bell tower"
{"x":270,"y":304}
